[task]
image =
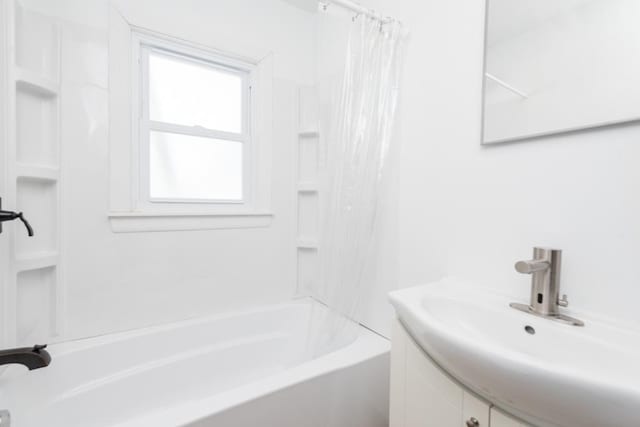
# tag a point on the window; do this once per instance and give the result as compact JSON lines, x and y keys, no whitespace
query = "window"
{"x":190,"y":133}
{"x":195,"y":127}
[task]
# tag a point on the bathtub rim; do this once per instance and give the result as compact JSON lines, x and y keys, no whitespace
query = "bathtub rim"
{"x":368,"y":345}
{"x":65,"y":347}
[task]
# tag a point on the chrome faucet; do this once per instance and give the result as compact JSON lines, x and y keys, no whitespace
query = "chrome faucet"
{"x":545,"y":286}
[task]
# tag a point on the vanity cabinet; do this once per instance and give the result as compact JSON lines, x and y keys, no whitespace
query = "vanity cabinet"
{"x":500,"y":419}
{"x":423,"y":395}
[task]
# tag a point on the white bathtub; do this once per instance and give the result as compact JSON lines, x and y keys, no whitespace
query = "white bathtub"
{"x":241,"y":369}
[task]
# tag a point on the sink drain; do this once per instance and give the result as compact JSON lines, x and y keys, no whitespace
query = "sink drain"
{"x":530,"y":330}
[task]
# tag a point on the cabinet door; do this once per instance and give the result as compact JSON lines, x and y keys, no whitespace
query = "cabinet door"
{"x":397,"y":395}
{"x":475,"y":412}
{"x":422,"y":395}
{"x":500,"y":419}
{"x":432,"y":400}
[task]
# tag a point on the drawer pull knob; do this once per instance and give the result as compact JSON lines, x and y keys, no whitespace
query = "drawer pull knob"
{"x":473,"y":422}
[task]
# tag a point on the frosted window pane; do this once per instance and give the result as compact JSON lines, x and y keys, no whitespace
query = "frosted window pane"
{"x":191,"y":167}
{"x":193,"y":94}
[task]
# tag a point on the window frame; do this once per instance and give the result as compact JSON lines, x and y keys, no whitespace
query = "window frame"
{"x":126,"y":213}
{"x":143,"y":45}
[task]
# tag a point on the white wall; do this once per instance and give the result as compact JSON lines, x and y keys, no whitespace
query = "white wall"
{"x":472,"y":211}
{"x":122,"y":281}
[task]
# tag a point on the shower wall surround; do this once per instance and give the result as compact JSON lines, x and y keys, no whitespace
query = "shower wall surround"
{"x":30,"y":267}
{"x":460,"y":209}
{"x":122,"y":281}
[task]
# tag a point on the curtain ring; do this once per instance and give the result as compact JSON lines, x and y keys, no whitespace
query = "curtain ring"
{"x":354,"y":17}
{"x":385,"y":22}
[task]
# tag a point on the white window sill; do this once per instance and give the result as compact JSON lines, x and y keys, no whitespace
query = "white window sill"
{"x":132,"y":222}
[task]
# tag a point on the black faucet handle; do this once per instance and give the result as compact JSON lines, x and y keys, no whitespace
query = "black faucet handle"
{"x":26,"y":224}
{"x":38,"y":347}
{"x":11,"y":215}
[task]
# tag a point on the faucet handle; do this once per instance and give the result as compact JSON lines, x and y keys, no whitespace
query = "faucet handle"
{"x":563,"y":302}
{"x":11,"y":215}
{"x":531,"y":266}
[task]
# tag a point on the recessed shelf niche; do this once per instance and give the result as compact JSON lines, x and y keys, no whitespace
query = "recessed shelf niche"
{"x":308,"y":192}
{"x":37,"y":198}
{"x":36,"y":127}
{"x":308,"y":159}
{"x":307,"y":216}
{"x":308,"y":271}
{"x":37,"y":43}
{"x":35,"y":294}
{"x":32,"y":176}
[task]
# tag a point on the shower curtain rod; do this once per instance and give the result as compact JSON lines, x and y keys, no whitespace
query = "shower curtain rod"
{"x":358,"y":8}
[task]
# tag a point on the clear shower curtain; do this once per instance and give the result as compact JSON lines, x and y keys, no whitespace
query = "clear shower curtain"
{"x":359,"y":135}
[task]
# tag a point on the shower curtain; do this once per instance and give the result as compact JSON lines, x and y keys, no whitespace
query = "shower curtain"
{"x":358,"y":128}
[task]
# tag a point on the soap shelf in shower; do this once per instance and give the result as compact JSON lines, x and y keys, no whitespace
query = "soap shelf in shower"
{"x":37,"y":261}
{"x":310,"y":133}
{"x":33,"y":82}
{"x":308,"y":187}
{"x":37,"y":172}
{"x":307,"y":244}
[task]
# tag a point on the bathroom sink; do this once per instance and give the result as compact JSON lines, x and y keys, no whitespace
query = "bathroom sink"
{"x":547,"y":373}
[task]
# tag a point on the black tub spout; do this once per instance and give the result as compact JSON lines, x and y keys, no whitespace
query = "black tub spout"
{"x":32,"y":357}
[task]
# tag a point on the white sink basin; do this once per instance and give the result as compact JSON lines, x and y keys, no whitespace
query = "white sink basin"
{"x":560,"y":375}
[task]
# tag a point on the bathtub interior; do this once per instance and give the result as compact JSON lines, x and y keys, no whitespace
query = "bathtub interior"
{"x":108,"y":380}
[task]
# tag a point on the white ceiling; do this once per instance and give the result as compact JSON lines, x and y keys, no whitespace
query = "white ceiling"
{"x":508,"y":18}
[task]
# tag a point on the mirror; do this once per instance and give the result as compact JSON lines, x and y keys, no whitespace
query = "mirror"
{"x":554,"y":66}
